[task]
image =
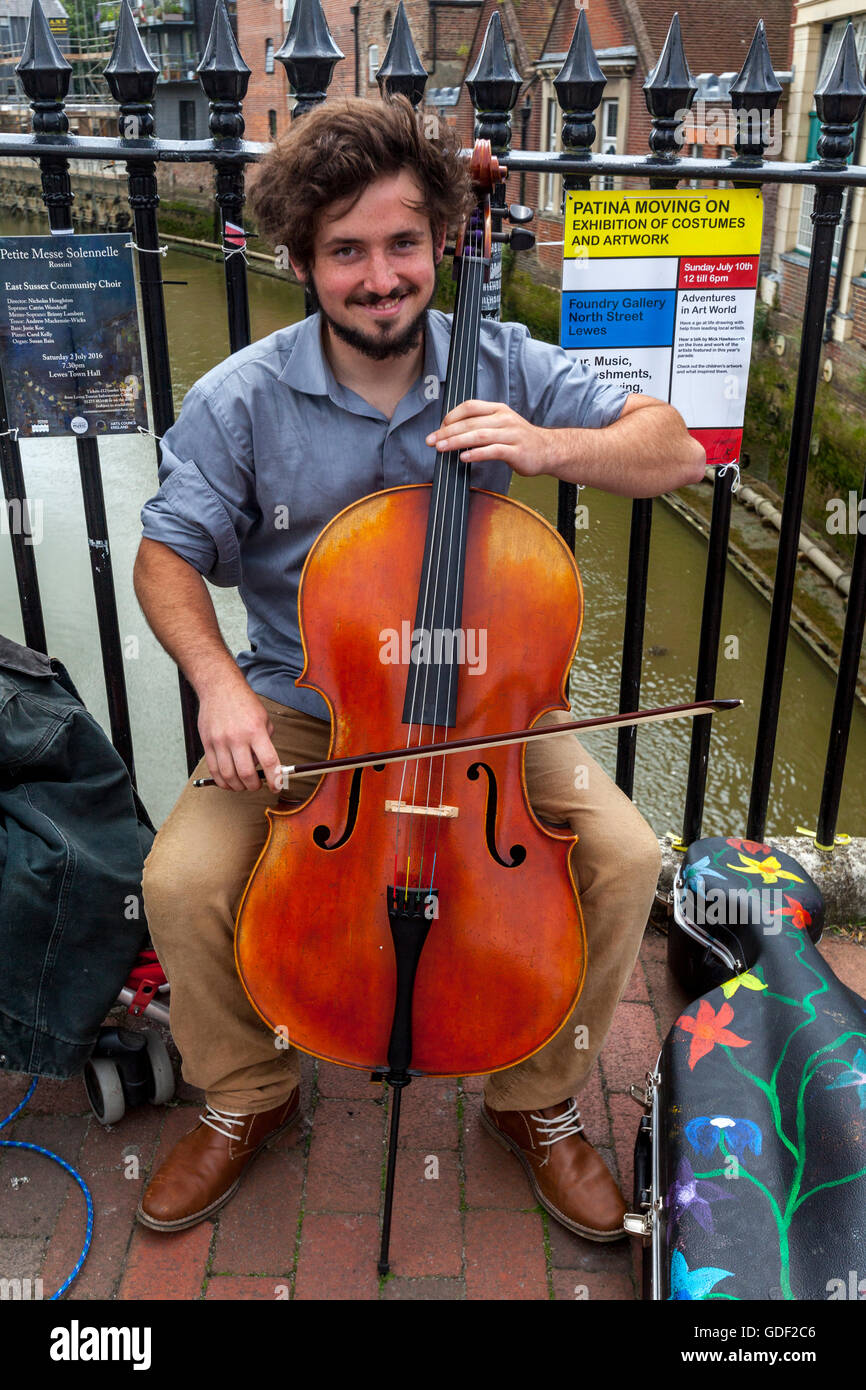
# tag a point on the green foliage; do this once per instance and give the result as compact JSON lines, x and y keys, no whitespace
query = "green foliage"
{"x":761,"y":330}
{"x":838,"y":442}
{"x":186,"y":219}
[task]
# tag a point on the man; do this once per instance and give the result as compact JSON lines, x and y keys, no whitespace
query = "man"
{"x":268,"y":448}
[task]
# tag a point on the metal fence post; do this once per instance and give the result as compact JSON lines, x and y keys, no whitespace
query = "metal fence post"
{"x":754,"y":88}
{"x":131,"y":77}
{"x":225,"y":77}
{"x":579,"y":87}
{"x":839,"y":103}
{"x":494,"y":86}
{"x":45,"y":75}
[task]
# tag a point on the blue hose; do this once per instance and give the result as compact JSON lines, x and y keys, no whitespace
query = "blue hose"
{"x":37,"y":1148}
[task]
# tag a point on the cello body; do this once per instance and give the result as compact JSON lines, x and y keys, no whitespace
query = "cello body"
{"x":504,"y":959}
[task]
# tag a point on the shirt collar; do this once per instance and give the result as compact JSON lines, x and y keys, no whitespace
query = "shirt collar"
{"x":308,"y":368}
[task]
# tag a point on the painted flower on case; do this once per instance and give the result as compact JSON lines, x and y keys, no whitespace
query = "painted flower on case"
{"x":706,"y":1132}
{"x":750,"y":846}
{"x":795,"y":910}
{"x":688,"y":1193}
{"x":693,"y":1284}
{"x":709,"y":1028}
{"x":694,"y":875}
{"x":854,"y":1076}
{"x":770,"y":869}
{"x":747,"y":980}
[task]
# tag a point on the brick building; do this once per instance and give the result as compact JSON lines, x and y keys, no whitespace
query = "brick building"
{"x":627,"y":35}
{"x":819,"y":26}
{"x":261,"y":28}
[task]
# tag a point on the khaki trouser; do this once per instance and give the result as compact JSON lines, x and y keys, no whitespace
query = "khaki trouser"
{"x":202,"y":858}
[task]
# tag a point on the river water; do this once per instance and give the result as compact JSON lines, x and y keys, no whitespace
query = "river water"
{"x":198,"y":340}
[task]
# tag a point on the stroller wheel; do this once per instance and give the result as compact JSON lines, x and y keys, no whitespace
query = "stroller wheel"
{"x":104,"y":1090}
{"x":161,"y":1070}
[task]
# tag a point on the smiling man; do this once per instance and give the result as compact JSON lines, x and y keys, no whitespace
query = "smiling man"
{"x":268,"y":448}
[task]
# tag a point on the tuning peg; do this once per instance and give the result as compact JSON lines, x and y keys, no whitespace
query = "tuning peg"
{"x":518,"y":213}
{"x":521,"y":240}
{"x":518,"y":239}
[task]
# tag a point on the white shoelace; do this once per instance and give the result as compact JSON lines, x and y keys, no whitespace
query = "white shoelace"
{"x":218,"y":1118}
{"x":560,"y":1127}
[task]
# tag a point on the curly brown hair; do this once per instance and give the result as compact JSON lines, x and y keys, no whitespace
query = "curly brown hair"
{"x":333,"y":153}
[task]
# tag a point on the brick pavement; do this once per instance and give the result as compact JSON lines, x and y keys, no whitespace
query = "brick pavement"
{"x":304,"y":1223}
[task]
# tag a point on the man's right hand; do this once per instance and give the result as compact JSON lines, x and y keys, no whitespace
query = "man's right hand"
{"x":234,"y":725}
{"x":235,"y":730}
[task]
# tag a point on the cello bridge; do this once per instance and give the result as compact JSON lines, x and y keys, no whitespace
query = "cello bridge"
{"x":406,"y":807}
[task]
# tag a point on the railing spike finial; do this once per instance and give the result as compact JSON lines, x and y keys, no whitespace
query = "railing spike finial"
{"x":224,"y":76}
{"x":839,"y":102}
{"x":45,"y":75}
{"x":402,"y":70}
{"x":131,"y":76}
{"x":494,"y":86}
{"x":309,"y":55}
{"x":579,"y":86}
{"x":669,"y":92}
{"x":755,"y":94}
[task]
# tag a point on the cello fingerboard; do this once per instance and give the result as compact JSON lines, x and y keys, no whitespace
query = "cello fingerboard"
{"x":437,"y":640}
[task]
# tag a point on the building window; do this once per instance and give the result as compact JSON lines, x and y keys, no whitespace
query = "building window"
{"x":269,"y":55}
{"x":547,"y":200}
{"x":806,"y":228}
{"x":186,"y":111}
{"x":372,"y":62}
{"x":609,"y":121}
{"x":272,"y":125}
{"x":387,"y":25}
{"x":288,"y":11}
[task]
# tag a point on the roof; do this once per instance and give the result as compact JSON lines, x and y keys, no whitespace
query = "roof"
{"x":20,"y":9}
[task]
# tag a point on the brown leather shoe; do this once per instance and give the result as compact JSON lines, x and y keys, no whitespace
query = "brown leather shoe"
{"x":204,"y":1169}
{"x":566,"y":1174}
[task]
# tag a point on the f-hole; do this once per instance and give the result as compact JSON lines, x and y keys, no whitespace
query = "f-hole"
{"x":322,"y":833}
{"x":517,"y":852}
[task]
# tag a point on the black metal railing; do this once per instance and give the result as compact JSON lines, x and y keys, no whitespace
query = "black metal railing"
{"x":309,"y":56}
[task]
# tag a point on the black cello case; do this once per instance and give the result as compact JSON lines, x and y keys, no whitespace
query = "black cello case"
{"x":750,"y":1163}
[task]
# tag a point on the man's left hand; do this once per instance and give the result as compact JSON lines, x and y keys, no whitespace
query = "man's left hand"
{"x":481,"y":430}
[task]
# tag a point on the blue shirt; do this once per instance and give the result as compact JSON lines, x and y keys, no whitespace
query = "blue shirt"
{"x":269,"y":446}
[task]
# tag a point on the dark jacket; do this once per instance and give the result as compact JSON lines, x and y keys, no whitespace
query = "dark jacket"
{"x":73,"y":839}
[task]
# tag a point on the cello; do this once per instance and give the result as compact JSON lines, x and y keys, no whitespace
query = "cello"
{"x":415,"y":917}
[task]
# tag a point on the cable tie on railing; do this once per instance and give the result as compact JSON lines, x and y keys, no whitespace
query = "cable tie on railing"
{"x":735,"y":485}
{"x":813,"y":835}
{"x":13,"y":431}
{"x":142,"y":430}
{"x":149,"y":250}
{"x":235,"y":251}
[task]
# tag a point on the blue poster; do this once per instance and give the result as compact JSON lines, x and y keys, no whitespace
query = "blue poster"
{"x":70,"y":353}
{"x":618,"y":318}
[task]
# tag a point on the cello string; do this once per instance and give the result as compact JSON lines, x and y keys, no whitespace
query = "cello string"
{"x":446,"y":470}
{"x":440,"y":504}
{"x":462,"y":479}
{"x":459,"y":472}
{"x":473,"y":358}
{"x":461,"y":476}
{"x":459,"y":392}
